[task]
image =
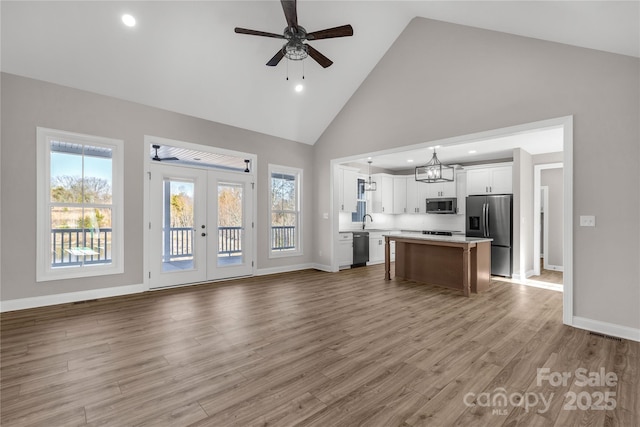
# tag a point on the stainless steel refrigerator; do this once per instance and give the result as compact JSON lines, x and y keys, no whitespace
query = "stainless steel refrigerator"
{"x":492,"y":216}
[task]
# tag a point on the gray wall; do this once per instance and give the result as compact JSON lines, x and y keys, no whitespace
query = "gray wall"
{"x":442,"y":80}
{"x":522,"y":213}
{"x":552,"y":178}
{"x":28,"y":103}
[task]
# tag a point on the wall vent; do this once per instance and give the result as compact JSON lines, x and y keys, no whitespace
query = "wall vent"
{"x":609,"y":337}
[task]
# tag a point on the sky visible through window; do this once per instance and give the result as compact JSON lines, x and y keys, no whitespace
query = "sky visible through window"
{"x":66,"y":164}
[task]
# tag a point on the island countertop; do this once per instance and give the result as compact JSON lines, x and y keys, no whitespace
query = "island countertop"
{"x":434,"y":238}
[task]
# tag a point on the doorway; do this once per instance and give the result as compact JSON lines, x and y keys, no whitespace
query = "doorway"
{"x":548,"y":240}
{"x":200,"y":216}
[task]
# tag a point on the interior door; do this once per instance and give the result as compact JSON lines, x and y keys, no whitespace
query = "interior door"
{"x":230,"y":246}
{"x":178,"y":244}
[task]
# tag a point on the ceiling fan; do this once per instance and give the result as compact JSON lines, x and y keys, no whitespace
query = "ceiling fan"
{"x":158,"y":158}
{"x":295,"y":35}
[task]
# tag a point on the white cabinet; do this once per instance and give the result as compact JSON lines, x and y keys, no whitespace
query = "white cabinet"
{"x":382,"y":198}
{"x":345,"y":250}
{"x":489,"y":180}
{"x":461,"y":191}
{"x":412,"y":195}
{"x":441,"y":189}
{"x":348,"y":190}
{"x":399,"y":194}
{"x":376,"y":249}
{"x":417,"y":193}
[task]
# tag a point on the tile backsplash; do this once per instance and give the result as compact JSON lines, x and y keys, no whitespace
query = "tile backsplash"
{"x":406,"y":222}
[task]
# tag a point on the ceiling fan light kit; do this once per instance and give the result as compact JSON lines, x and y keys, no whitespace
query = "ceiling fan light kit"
{"x":158,"y":158}
{"x":295,"y":48}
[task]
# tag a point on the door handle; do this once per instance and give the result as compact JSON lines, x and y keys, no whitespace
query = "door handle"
{"x":203,"y":234}
{"x":484,"y":219}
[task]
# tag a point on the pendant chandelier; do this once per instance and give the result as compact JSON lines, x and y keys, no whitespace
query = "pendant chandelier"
{"x":434,"y":171}
{"x":370,"y":185}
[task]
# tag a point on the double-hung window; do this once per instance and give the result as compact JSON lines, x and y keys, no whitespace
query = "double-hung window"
{"x":79,"y":206}
{"x":285,"y":216}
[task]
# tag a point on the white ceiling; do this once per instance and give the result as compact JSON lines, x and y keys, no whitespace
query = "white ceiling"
{"x":536,"y":142}
{"x":185,"y":57}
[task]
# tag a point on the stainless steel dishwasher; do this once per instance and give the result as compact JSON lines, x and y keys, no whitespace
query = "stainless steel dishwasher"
{"x":360,"y":248}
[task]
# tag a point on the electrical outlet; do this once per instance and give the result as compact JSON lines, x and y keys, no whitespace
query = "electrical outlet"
{"x":587,"y":221}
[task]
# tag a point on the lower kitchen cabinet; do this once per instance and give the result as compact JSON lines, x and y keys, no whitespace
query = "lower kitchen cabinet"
{"x":376,"y":249}
{"x":345,"y":250}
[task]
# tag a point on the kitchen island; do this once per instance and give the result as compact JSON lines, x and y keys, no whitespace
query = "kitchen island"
{"x":455,"y":262}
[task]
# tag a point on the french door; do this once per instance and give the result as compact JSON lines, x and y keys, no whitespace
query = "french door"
{"x":200,"y":225}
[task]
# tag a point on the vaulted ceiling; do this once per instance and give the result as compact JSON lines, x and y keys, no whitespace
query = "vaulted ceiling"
{"x":185,"y":57}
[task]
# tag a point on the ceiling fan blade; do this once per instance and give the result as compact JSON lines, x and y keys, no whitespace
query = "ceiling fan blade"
{"x":320,"y":58}
{"x":290,"y":13}
{"x":329,"y":33}
{"x":276,"y":58}
{"x":257,"y":33}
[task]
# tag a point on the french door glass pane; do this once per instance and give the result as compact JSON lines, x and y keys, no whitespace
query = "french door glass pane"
{"x":230,"y":224}
{"x":178,"y":225}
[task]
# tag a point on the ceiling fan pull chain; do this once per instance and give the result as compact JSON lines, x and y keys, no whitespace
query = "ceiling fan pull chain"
{"x":287,"y":69}
{"x":303,"y":70}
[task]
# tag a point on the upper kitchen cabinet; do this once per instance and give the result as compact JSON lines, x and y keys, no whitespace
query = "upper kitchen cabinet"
{"x":348,"y":189}
{"x":382,"y":198}
{"x":489,"y":180}
{"x":441,"y":189}
{"x":417,"y":193}
{"x":399,"y":194}
{"x":461,"y":189}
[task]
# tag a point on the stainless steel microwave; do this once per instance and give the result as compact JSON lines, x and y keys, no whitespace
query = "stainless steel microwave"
{"x":442,"y":206}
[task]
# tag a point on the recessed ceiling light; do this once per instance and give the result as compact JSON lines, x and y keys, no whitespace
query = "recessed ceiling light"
{"x":128,"y":20}
{"x":409,"y":160}
{"x":368,"y":158}
{"x":472,"y":151}
{"x":299,"y":88}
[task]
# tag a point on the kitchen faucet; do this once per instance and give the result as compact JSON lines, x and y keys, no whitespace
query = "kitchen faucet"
{"x":364,"y":220}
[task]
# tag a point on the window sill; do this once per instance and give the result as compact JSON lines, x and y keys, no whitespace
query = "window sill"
{"x":284,"y":254}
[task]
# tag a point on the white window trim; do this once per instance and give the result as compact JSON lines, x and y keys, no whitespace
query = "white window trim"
{"x":298,"y":173}
{"x":44,"y":271}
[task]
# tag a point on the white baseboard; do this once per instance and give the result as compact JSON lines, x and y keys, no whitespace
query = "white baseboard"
{"x":529,"y":273}
{"x":283,"y":269}
{"x":322,"y":267}
{"x":554,"y":267}
{"x":611,"y":329}
{"x":90,"y":294}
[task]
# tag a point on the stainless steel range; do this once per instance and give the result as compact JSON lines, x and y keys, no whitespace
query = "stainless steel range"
{"x":438,"y":233}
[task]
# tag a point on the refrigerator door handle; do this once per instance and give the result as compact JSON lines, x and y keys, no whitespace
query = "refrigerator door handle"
{"x":484,"y":220}
{"x":487,"y":222}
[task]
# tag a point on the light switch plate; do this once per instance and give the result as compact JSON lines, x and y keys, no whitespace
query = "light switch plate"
{"x":587,"y":221}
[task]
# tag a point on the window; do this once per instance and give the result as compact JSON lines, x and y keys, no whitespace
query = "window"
{"x":79,"y":206}
{"x":361,"y":200}
{"x":284,"y":201}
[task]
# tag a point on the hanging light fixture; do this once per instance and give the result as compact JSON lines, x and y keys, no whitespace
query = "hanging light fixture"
{"x":434,"y":171}
{"x":370,"y":185}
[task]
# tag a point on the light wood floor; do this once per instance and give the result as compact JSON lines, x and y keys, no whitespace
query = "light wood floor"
{"x":306,"y":348}
{"x":548,"y":276}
